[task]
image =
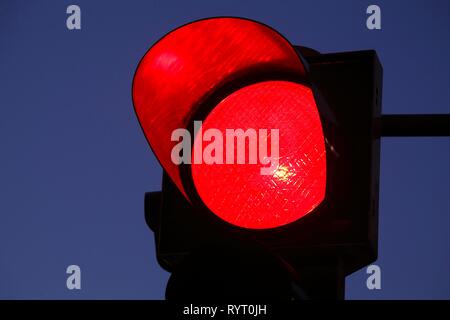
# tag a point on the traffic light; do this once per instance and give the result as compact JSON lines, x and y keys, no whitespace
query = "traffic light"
{"x":269,"y":151}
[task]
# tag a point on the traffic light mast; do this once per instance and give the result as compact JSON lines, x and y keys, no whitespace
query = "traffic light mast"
{"x":415,"y":125}
{"x":225,"y":231}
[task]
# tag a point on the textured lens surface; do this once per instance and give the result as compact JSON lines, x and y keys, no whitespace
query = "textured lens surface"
{"x":239,"y":193}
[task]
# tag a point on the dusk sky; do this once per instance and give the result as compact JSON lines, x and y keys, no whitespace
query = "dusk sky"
{"x":74,"y":164}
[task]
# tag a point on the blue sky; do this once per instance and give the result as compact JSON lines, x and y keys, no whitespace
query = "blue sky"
{"x":74,"y":164}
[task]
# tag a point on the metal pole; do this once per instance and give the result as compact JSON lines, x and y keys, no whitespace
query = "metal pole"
{"x":415,"y":125}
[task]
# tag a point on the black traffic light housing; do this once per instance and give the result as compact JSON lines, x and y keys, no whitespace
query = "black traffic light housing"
{"x":342,"y":232}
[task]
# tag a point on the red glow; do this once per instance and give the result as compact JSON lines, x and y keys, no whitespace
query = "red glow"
{"x":191,"y":62}
{"x":238,"y":193}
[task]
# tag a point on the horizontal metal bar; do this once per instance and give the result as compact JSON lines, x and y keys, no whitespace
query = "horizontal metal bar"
{"x":415,"y":125}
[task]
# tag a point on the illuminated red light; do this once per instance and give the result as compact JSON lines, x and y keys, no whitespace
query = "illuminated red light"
{"x":238,"y":193}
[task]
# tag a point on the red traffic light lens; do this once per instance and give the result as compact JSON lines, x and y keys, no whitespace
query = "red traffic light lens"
{"x":239,"y":193}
